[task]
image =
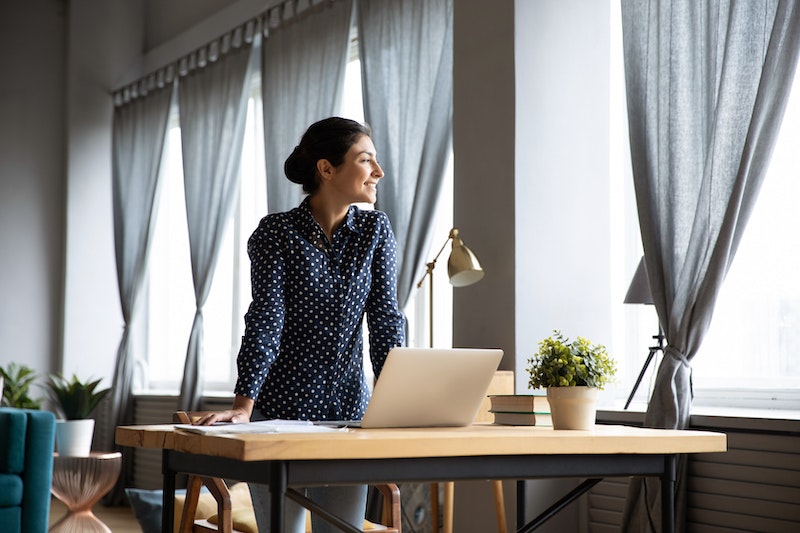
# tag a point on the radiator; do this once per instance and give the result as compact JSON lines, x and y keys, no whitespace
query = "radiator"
{"x":755,"y":486}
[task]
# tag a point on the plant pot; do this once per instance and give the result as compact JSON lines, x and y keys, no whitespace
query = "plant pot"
{"x":74,"y":437}
{"x":573,"y":407}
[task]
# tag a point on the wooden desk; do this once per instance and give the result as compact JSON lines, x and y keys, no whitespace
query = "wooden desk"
{"x":481,"y":451}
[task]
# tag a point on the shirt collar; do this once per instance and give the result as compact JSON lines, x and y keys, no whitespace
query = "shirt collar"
{"x":310,"y":228}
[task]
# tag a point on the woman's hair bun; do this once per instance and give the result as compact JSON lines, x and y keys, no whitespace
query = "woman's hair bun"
{"x":296,"y":166}
{"x":328,"y":139}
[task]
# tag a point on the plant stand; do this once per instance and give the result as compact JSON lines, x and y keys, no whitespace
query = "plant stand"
{"x":80,"y":482}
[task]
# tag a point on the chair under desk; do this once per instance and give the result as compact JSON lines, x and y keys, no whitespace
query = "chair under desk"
{"x":481,"y":451}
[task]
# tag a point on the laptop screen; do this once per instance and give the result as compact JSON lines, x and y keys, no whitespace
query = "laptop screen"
{"x":431,"y":387}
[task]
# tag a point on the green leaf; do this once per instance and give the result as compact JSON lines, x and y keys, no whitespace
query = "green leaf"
{"x":17,"y":382}
{"x":561,"y":363}
{"x":75,"y":399}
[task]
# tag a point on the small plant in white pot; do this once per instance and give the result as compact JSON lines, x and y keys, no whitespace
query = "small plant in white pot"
{"x":572,"y":373}
{"x":75,"y":401}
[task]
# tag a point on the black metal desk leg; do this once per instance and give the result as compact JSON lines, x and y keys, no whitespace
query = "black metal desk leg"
{"x":668,"y":494}
{"x":277,"y":496}
{"x":168,"y":494}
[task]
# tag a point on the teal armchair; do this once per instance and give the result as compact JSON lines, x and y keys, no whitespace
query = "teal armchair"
{"x":26,"y":469}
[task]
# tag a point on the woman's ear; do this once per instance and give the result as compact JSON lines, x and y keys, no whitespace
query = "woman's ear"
{"x":325,"y":169}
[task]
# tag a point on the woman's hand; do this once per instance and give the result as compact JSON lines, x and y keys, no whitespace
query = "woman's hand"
{"x":239,"y":413}
{"x":231,"y":415}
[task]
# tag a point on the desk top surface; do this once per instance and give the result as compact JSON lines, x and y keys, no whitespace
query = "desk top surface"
{"x":475,"y":440}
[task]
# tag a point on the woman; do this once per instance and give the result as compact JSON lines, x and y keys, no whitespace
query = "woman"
{"x":316,"y":270}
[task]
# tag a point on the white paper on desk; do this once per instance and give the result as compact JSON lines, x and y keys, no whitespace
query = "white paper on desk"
{"x":262,"y":426}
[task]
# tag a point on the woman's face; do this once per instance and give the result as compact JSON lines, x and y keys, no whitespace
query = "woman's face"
{"x":356,"y":179}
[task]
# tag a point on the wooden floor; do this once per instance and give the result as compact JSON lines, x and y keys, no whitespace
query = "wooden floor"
{"x":118,"y":519}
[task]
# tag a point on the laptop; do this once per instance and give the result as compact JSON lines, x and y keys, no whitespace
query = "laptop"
{"x":431,"y":387}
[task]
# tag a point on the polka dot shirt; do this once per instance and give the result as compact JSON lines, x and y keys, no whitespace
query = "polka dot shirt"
{"x":301,"y":353}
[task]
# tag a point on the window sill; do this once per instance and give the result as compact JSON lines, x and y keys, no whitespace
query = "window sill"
{"x":172,"y":393}
{"x":718,"y":418}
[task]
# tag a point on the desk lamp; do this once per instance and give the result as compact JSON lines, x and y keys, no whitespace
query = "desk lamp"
{"x":463,"y":269}
{"x":639,"y":293}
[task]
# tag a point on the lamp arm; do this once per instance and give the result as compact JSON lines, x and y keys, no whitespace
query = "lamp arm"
{"x":432,"y":264}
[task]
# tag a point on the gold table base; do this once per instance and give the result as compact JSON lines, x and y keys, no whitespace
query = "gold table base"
{"x":80,"y":482}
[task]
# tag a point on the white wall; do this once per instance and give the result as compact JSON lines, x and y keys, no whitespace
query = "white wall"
{"x":483,"y":205}
{"x":531,"y":147}
{"x":562,"y":173}
{"x":562,"y":195}
{"x":105,"y":41}
{"x":483,"y":167}
{"x":31,"y":182}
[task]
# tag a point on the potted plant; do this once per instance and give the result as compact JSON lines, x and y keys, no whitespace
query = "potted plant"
{"x":75,"y":401}
{"x":572,"y":373}
{"x":17,"y":381}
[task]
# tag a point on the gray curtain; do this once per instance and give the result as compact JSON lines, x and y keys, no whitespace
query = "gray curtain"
{"x":139,"y":129}
{"x":213,"y":105}
{"x":707,"y":83}
{"x":407,"y":69}
{"x":303,"y":65}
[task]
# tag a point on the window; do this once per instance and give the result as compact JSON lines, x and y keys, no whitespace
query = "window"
{"x":170,"y":293}
{"x":750,"y":356}
{"x":171,"y":302}
{"x":754,"y":338}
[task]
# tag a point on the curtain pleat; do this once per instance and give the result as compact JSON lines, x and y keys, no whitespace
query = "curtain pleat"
{"x":213,"y":104}
{"x":407,"y":69}
{"x":707,"y":84}
{"x":138,"y":132}
{"x":302,"y":82}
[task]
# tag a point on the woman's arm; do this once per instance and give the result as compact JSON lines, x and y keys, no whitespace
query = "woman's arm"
{"x":385,"y":321}
{"x":264,"y":318}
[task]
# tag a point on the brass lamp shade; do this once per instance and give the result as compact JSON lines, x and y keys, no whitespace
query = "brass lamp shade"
{"x":463,"y":267}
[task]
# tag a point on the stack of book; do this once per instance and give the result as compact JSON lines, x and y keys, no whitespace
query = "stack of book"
{"x":521,"y":410}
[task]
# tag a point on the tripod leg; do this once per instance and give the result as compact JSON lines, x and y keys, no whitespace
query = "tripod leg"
{"x":641,"y":375}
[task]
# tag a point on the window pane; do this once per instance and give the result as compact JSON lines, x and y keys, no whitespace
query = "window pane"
{"x":749,"y":357}
{"x":170,"y":290}
{"x":754,"y":337}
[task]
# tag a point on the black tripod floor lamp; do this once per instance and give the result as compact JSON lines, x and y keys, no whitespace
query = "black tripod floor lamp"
{"x":639,"y":293}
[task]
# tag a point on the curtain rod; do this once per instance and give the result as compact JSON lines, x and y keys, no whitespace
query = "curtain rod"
{"x":270,"y":14}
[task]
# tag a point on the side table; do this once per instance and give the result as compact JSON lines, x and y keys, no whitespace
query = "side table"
{"x":80,"y":482}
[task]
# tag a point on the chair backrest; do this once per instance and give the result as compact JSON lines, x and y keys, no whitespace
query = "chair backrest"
{"x":27,"y":442}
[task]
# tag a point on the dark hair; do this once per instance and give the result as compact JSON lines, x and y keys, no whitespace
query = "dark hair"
{"x":329,"y":139}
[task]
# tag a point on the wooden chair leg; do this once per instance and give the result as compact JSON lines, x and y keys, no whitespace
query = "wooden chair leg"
{"x":435,"y":507}
{"x":499,"y":506}
{"x":219,"y":490}
{"x":391,"y":514}
{"x":194,"y":484}
{"x":448,"y":506}
{"x":447,"y":509}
